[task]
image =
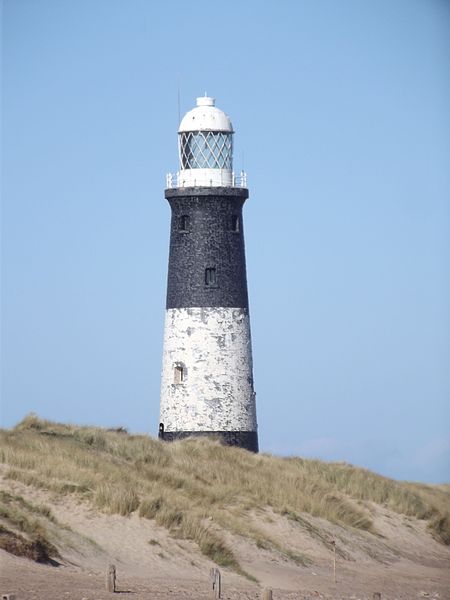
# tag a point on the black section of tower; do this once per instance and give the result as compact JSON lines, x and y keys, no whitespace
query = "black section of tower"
{"x":207,"y":253}
{"x":243,"y":439}
{"x":207,"y":267}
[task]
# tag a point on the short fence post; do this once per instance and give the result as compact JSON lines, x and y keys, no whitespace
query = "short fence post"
{"x":111,"y":579}
{"x":333,"y":543}
{"x":267,"y":594}
{"x":216,"y":582}
{"x":377,"y":596}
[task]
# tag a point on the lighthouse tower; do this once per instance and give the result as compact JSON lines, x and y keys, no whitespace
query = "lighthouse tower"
{"x":207,"y":374}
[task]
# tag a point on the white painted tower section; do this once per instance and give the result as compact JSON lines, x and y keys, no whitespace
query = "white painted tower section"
{"x":213,"y":347}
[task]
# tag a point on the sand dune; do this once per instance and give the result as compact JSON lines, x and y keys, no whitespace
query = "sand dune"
{"x":402,"y":561}
{"x":193,"y":506}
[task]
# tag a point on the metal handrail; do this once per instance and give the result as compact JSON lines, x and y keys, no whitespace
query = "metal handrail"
{"x":238,"y":180}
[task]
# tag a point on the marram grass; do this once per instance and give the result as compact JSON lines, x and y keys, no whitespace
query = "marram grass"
{"x":195,"y":487}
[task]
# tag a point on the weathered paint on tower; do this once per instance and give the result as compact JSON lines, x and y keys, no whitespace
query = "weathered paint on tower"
{"x":207,"y":375}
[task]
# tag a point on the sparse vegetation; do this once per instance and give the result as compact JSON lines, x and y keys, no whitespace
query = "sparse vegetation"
{"x":38,"y":549}
{"x":154,"y":542}
{"x":196,"y":488}
{"x":21,"y":516}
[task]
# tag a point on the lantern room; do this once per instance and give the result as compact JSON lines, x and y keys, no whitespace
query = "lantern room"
{"x":205,"y":146}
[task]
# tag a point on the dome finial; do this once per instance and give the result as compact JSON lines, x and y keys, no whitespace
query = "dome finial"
{"x":205,"y":101}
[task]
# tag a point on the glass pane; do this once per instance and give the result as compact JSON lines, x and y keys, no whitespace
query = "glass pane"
{"x":210,"y":276}
{"x":206,"y":150}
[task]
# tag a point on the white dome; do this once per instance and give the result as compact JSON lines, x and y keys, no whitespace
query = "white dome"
{"x":205,"y":117}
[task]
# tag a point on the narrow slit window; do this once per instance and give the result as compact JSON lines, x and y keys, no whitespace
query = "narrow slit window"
{"x":179,"y":374}
{"x":234,"y":225}
{"x":210,"y":276}
{"x":184,"y":223}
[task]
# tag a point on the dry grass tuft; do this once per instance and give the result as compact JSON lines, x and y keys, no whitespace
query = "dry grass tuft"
{"x":116,"y":499}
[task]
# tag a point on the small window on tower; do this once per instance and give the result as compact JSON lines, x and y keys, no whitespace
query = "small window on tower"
{"x":179,"y":374}
{"x":210,"y":276}
{"x":234,"y":224}
{"x":184,"y":223}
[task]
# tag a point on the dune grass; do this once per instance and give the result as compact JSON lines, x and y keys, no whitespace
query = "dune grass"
{"x":196,"y":487}
{"x":22,"y":517}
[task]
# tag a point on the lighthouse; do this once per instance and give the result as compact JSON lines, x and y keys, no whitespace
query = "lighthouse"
{"x":207,"y":386}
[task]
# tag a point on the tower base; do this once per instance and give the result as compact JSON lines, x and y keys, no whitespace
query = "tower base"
{"x":243,"y":439}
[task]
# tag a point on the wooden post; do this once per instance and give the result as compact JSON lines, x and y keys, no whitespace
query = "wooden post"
{"x":212,"y":576}
{"x":334,"y":560}
{"x":216,"y":584}
{"x":267,"y":594}
{"x":377,"y":596}
{"x":111,"y":579}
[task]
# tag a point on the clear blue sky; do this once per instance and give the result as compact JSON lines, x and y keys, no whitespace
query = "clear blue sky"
{"x":341,"y":112}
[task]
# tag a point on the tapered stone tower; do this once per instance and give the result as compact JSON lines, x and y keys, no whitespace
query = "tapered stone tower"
{"x":207,"y":373}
